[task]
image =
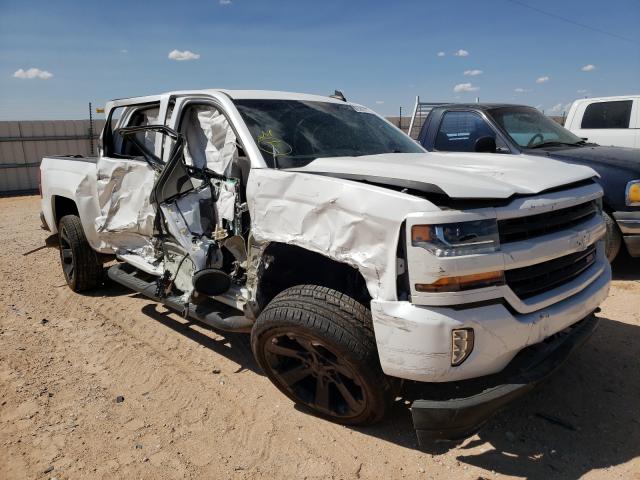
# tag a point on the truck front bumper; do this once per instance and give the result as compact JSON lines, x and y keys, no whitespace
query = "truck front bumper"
{"x":462,"y":415}
{"x":629,"y":223}
{"x":512,"y":352}
{"x":415,"y":341}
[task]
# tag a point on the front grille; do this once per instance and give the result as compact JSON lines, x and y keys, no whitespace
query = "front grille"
{"x":522,"y":228}
{"x":530,"y":281}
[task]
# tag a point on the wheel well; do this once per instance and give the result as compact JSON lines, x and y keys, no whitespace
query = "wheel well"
{"x":285,"y":266}
{"x":63,"y":206}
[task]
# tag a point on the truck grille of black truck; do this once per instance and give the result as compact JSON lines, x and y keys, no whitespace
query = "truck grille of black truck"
{"x":530,"y":281}
{"x":522,"y":228}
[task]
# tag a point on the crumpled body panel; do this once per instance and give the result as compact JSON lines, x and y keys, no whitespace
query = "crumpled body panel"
{"x":350,"y":222}
{"x":123,"y":195}
{"x":125,"y":222}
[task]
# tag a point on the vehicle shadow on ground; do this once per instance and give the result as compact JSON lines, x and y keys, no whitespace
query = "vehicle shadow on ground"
{"x":590,"y":403}
{"x":625,"y":267}
{"x":234,"y":346}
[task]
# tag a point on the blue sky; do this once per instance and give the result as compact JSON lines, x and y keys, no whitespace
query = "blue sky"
{"x":379,"y":53}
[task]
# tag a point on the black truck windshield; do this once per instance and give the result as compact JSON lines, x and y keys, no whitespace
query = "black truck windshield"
{"x":529,"y":128}
{"x":291,"y":133}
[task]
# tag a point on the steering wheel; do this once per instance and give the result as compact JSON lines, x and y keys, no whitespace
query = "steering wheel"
{"x":532,"y":142}
{"x":298,"y":136}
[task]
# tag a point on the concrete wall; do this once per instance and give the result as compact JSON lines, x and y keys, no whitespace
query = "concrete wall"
{"x":24,"y":143}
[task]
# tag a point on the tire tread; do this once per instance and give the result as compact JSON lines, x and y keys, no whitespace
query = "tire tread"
{"x":88,"y":271}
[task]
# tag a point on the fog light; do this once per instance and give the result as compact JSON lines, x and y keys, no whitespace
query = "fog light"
{"x":461,"y":345}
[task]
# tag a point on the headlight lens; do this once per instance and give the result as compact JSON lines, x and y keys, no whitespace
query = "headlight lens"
{"x":632,"y":193}
{"x":454,"y":239}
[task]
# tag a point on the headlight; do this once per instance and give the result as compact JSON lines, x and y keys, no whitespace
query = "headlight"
{"x":454,"y":239}
{"x":632,"y":193}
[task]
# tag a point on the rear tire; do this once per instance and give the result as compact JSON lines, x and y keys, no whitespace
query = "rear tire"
{"x":613,"y":238}
{"x":318,"y":348}
{"x":81,"y":265}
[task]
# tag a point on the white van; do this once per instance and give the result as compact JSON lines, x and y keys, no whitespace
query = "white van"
{"x":607,"y":120}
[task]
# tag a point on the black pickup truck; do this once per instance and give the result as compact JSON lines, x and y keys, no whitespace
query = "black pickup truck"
{"x":517,"y":129}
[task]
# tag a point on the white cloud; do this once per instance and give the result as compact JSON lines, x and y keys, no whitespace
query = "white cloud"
{"x":473,"y":73}
{"x":124,"y":50}
{"x":225,"y":2}
{"x":543,"y":79}
{"x":33,"y":73}
{"x":557,"y":108}
{"x":588,"y":68}
{"x":440,"y":54}
{"x":182,"y":56}
{"x":521,"y":90}
{"x":461,"y":53}
{"x":379,"y":102}
{"x":465,"y":87}
{"x":582,"y":90}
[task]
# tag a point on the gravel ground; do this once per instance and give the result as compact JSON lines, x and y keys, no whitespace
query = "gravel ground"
{"x":193,"y":403}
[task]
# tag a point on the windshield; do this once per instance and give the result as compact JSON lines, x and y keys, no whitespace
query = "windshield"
{"x":295,"y":132}
{"x":531,"y":129}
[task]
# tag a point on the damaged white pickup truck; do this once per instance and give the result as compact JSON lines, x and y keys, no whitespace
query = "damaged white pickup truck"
{"x":353,"y":257}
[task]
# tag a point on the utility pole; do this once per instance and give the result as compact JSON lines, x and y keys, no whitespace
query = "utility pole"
{"x":90,"y":129}
{"x":400,"y":120}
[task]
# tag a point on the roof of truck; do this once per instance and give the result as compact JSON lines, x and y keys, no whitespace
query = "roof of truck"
{"x":246,"y":95}
{"x":607,"y":99}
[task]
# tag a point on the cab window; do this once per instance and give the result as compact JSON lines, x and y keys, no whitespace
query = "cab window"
{"x":130,"y":116}
{"x":459,"y":131}
{"x":607,"y":115}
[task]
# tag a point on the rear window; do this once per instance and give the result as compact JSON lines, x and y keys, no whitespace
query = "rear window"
{"x":607,"y":115}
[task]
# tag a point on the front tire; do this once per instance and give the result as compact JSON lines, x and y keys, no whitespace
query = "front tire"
{"x":318,"y":348}
{"x":80,"y":263}
{"x":613,"y":238}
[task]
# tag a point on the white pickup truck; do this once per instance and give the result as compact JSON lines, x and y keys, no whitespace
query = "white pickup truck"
{"x":607,"y":121}
{"x":352,"y":256}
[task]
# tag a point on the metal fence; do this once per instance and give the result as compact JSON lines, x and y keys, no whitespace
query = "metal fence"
{"x":24,"y":143}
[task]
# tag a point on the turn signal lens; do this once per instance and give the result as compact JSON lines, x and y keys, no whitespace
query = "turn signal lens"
{"x":420,"y":234}
{"x":461,"y":345}
{"x":465,"y":282}
{"x":633,"y":193}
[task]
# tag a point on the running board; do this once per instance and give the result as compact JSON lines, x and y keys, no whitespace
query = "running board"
{"x":208,"y":312}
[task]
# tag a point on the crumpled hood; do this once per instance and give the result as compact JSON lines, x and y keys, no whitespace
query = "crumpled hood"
{"x":458,"y":175}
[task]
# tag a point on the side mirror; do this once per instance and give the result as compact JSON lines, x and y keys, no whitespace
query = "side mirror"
{"x":485,"y":144}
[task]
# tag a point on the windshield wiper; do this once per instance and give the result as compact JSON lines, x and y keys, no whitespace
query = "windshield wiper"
{"x":556,"y":144}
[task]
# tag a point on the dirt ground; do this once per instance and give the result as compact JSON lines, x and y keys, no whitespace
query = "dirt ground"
{"x":196,"y":405}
